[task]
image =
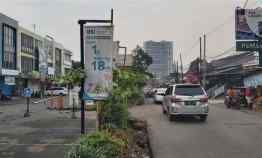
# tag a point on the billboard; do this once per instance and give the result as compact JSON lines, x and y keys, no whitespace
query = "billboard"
{"x":99,"y":47}
{"x":248,"y":24}
{"x":248,"y":29}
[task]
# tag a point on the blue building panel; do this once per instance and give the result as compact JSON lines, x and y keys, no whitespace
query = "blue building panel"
{"x":7,"y":90}
{"x":5,"y":20}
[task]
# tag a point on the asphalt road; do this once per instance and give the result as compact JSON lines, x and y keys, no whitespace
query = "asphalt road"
{"x":226,"y":134}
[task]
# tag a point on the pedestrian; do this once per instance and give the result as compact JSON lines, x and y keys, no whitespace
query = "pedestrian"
{"x":231,"y":93}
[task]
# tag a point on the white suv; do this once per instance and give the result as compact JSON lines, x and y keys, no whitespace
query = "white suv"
{"x":184,"y":100}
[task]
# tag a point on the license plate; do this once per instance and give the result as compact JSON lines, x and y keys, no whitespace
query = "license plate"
{"x":190,"y":103}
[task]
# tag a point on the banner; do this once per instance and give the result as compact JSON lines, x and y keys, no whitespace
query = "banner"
{"x":248,"y":24}
{"x":99,"y":47}
{"x":43,"y":63}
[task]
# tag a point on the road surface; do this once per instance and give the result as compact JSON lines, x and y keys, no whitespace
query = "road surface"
{"x":46,"y":134}
{"x":226,"y":134}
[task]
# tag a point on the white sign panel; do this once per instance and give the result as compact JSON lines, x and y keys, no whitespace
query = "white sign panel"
{"x":51,"y":71}
{"x":253,"y":81}
{"x":9,"y":80}
{"x":98,"y":61}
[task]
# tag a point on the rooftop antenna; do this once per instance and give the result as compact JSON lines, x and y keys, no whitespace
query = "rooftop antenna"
{"x":34,"y":27}
{"x":245,"y":5}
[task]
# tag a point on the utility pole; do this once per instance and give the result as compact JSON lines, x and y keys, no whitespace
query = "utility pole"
{"x":205,"y":66}
{"x":82,"y":55}
{"x":177,"y":69}
{"x":182,"y":73}
{"x":200,"y":58}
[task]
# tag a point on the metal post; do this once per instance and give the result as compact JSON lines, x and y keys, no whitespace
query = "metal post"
{"x":82,"y":23}
{"x":112,"y":16}
{"x":125,"y":57}
{"x":83,"y":81}
{"x":27,"y":113}
{"x":182,"y":73}
{"x":73,"y":114}
{"x":177,"y":68}
{"x":205,"y":63}
{"x":200,"y":59}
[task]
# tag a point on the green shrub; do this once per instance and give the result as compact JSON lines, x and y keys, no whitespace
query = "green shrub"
{"x":97,"y":145}
{"x":127,"y":90}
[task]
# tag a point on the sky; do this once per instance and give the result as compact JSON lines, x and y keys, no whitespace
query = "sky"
{"x":180,"y":21}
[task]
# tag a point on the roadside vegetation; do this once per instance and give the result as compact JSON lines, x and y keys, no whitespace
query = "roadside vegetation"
{"x":119,"y":135}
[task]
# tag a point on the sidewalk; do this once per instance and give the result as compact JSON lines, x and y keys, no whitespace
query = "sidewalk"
{"x":13,"y":101}
{"x":47,"y":133}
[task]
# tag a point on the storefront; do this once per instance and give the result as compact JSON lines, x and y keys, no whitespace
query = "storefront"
{"x":8,"y":54}
{"x":8,"y":82}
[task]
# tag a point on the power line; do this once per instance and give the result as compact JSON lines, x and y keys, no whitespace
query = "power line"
{"x":224,"y":53}
{"x":217,"y":28}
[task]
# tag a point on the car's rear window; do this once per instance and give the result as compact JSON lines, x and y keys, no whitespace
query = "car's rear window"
{"x":59,"y":88}
{"x":189,"y":90}
{"x":56,"y":88}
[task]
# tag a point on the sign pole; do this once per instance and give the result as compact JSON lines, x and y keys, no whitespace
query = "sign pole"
{"x":83,"y":80}
{"x":27,"y":94}
{"x":27,"y":113}
{"x":82,"y":92}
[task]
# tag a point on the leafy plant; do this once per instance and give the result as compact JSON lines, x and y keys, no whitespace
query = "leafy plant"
{"x":72,"y":77}
{"x":141,"y":60}
{"x":127,"y":88}
{"x":98,"y":145}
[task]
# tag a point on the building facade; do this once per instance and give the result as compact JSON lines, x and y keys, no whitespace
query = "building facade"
{"x":162,"y":55}
{"x":28,"y":59}
{"x":58,"y":60}
{"x":121,"y":57}
{"x":8,"y":54}
{"x":29,"y":47}
{"x":67,"y":61}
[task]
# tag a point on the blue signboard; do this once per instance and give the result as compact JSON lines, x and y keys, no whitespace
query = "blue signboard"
{"x":27,"y":92}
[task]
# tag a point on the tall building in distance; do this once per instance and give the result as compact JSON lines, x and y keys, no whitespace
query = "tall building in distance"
{"x":162,"y":55}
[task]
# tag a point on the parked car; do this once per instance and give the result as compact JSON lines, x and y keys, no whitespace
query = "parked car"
{"x":57,"y":91}
{"x":159,"y":95}
{"x":186,"y":100}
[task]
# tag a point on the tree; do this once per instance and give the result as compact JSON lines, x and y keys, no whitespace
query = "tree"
{"x":72,"y":78}
{"x":76,"y":64}
{"x":141,"y":60}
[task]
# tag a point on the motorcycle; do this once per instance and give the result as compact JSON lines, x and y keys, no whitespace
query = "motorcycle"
{"x":233,"y":102}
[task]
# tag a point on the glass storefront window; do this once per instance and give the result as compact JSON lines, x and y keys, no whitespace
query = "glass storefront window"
{"x":9,"y":47}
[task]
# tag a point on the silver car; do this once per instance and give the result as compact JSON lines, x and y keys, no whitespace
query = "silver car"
{"x":159,"y":95}
{"x":186,"y":100}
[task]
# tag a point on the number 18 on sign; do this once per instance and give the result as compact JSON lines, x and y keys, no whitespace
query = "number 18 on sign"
{"x":98,"y":61}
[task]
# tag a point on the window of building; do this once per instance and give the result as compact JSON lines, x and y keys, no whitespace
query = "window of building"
{"x":67,"y":58}
{"x":58,"y":60}
{"x":9,"y":47}
{"x":27,"y":44}
{"x":27,"y":64}
{"x":38,"y":45}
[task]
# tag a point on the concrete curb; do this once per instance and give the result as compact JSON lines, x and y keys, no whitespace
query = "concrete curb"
{"x":150,"y":137}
